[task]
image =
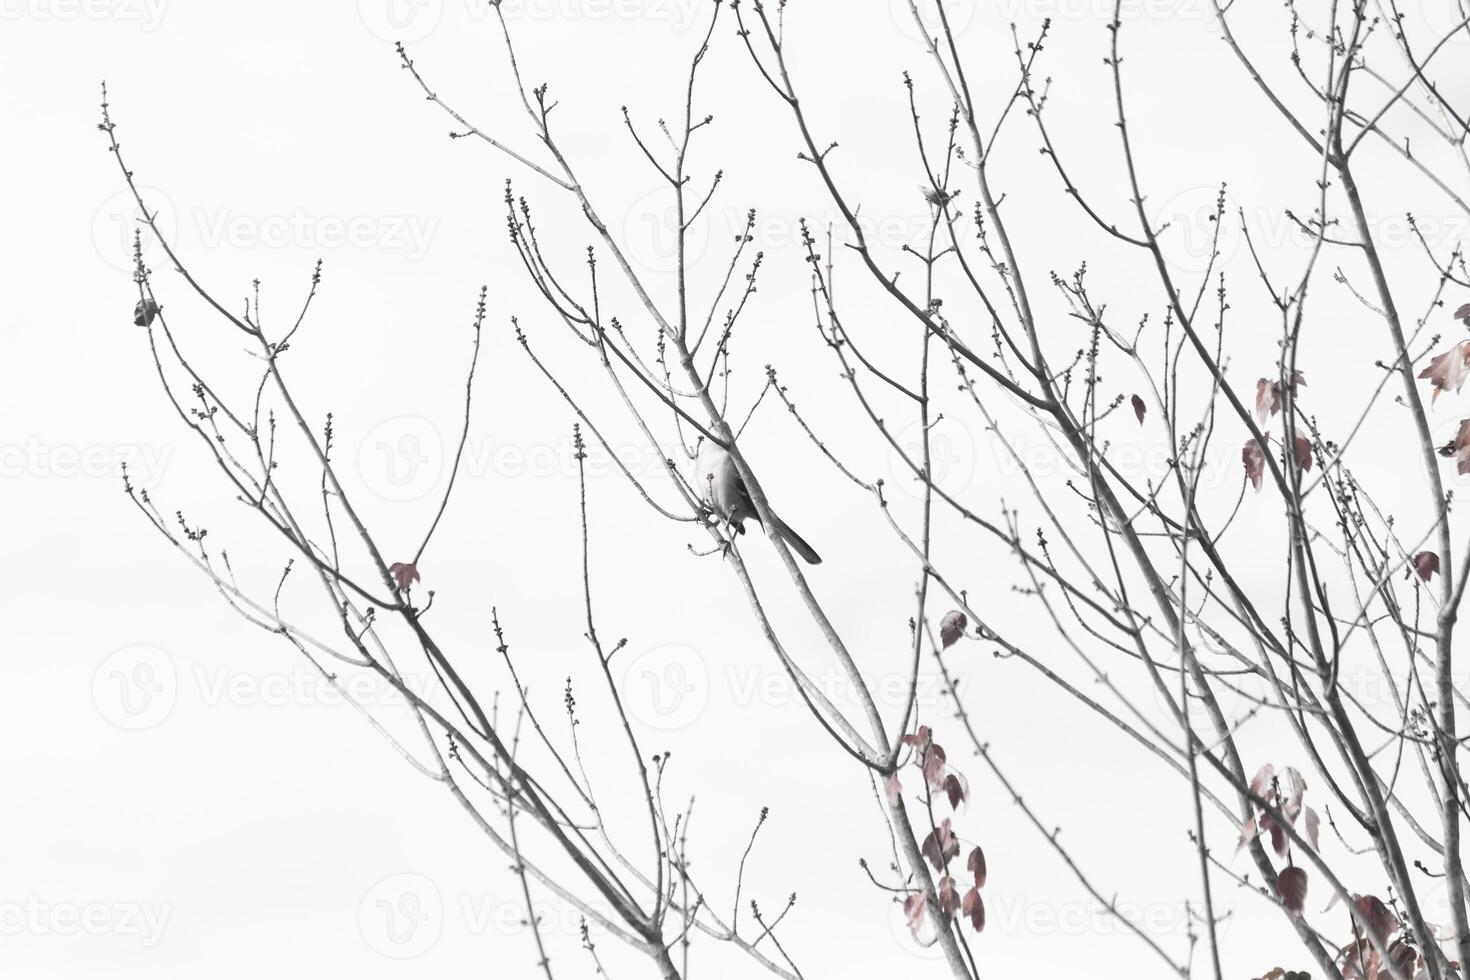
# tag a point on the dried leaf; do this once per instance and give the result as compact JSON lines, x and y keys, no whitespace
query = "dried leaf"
{"x":1261,"y":781}
{"x":1292,"y":885}
{"x":1448,"y":371}
{"x":975,"y":864}
{"x":1426,"y":563}
{"x":952,"y":627}
{"x":1463,"y":313}
{"x":957,"y":788}
{"x":1255,"y":462}
{"x":404,"y":573}
{"x":1268,"y":399}
{"x":919,"y":738}
{"x":933,"y":766}
{"x":972,"y":907}
{"x":144,"y":312}
{"x":1139,"y":408}
{"x":949,"y":898}
{"x":1303,"y":453}
{"x":1379,"y":919}
{"x":941,"y":845}
{"x":913,"y":911}
{"x":1314,"y":828}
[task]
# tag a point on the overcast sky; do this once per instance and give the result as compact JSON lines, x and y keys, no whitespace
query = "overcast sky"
{"x":185,"y":796}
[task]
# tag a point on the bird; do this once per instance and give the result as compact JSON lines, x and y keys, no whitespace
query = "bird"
{"x":719,"y":483}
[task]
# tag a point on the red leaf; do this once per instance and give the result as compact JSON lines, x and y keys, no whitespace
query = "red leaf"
{"x":1426,"y":563}
{"x":957,"y":788}
{"x":893,"y":789}
{"x":1292,"y":884}
{"x":1268,"y":399}
{"x":1401,"y":955}
{"x":1448,"y":371}
{"x":952,"y":627}
{"x":1261,"y":781}
{"x":1377,"y":916}
{"x":1293,"y":788}
{"x":1463,"y":313}
{"x":1255,"y":462}
{"x":934,"y":766}
{"x":949,"y":899}
{"x":1462,"y":447}
{"x":404,"y":573}
{"x":919,"y":738}
{"x":1303,"y":452}
{"x":1247,"y":833}
{"x":973,"y":908}
{"x":1314,"y":828}
{"x":941,"y":845}
{"x":1280,"y":843}
{"x":144,"y":312}
{"x":913,"y":911}
{"x":1139,"y":408}
{"x":975,"y":864}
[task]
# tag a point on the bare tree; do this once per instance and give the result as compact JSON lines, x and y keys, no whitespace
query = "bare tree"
{"x":1139,"y":576}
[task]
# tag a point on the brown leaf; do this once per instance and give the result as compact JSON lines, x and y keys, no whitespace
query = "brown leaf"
{"x":913,"y":911}
{"x":1292,"y":884}
{"x":1314,"y":828}
{"x":1261,"y":781}
{"x":1380,"y":920}
{"x":1268,"y":399}
{"x":404,"y":573}
{"x":1303,"y":453}
{"x":1426,"y":563}
{"x":1448,"y":371}
{"x":1463,"y":313}
{"x":957,"y":788}
{"x":941,"y":845}
{"x":952,"y":627}
{"x":1139,"y":408}
{"x":933,"y":766}
{"x":1255,"y":462}
{"x":919,"y":738}
{"x":144,"y":312}
{"x":949,"y":898}
{"x":973,"y":908}
{"x":975,"y":864}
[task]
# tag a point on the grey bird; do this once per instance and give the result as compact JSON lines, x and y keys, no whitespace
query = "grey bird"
{"x":719,"y":483}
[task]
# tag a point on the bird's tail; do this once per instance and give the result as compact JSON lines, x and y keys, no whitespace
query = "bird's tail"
{"x":793,"y":540}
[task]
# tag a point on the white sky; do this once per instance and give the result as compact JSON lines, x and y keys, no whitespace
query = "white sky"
{"x":260,"y":824}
